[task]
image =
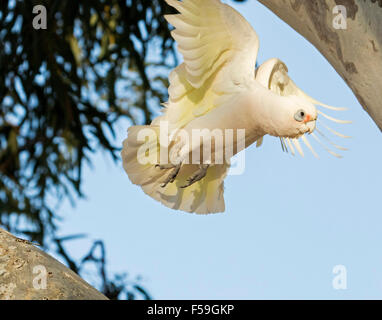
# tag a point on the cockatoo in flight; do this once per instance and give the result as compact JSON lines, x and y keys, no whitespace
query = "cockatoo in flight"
{"x":217,"y":88}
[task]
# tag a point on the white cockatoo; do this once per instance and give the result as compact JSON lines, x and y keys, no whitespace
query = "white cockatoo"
{"x":216,"y":88}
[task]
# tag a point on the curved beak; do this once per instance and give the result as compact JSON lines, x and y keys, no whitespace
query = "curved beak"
{"x":311,"y":125}
{"x":307,"y":118}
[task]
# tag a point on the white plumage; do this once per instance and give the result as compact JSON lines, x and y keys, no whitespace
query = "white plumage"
{"x":216,"y":88}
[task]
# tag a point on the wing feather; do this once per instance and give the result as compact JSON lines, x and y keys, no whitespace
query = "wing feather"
{"x":214,"y":39}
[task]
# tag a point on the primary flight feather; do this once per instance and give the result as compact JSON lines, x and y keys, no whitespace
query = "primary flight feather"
{"x":215,"y":90}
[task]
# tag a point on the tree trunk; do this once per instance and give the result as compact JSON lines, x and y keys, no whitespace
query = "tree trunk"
{"x":26,"y":272}
{"x":355,"y":52}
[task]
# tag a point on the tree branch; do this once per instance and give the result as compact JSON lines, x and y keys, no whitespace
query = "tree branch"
{"x":27,"y":273}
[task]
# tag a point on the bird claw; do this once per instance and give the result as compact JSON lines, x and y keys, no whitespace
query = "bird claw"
{"x":172,"y":176}
{"x":165,"y":166}
{"x":197,"y":176}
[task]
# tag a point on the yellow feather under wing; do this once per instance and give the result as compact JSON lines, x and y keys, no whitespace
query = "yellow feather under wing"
{"x":186,"y":103}
{"x":219,"y":49}
{"x":204,"y":196}
{"x":210,"y":34}
{"x":179,"y":86}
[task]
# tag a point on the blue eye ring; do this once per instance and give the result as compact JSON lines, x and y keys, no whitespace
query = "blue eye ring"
{"x":299,"y":115}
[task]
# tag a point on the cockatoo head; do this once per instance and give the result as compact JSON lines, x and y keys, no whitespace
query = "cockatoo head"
{"x":301,"y":116}
{"x":299,"y":110}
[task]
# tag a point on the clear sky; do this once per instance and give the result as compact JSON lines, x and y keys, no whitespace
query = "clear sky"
{"x":288,"y":220}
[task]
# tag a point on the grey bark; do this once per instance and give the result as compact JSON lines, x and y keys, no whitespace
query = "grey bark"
{"x":26,"y":273}
{"x":355,"y":53}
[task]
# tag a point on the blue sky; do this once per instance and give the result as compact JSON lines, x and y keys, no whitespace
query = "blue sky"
{"x":288,"y":220}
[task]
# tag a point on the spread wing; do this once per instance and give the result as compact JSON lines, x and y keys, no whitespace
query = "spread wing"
{"x":219,"y":48}
{"x":273,"y":74}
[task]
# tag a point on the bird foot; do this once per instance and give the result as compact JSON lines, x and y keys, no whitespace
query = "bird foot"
{"x":165,"y":166}
{"x":198,"y":175}
{"x":173,"y":174}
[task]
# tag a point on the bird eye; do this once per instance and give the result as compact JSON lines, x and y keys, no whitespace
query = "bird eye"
{"x":299,"y":115}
